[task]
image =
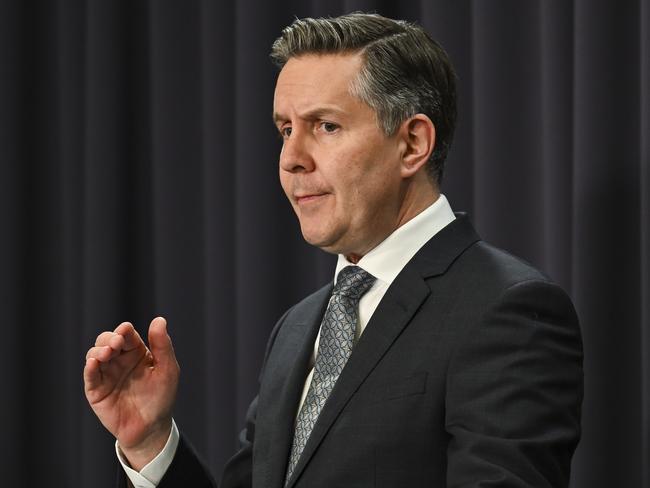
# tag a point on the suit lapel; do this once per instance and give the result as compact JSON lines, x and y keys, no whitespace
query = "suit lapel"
{"x":393,"y":313}
{"x":397,"y":307}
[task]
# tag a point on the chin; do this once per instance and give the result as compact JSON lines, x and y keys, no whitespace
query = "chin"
{"x":316,"y":242}
{"x":320,"y":241}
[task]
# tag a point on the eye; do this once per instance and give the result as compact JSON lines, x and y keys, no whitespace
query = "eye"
{"x":329,"y":127}
{"x":285,"y":132}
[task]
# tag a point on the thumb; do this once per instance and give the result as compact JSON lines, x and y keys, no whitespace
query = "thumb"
{"x":160,"y":343}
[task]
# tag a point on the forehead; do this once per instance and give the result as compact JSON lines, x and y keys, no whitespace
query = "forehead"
{"x":316,"y":79}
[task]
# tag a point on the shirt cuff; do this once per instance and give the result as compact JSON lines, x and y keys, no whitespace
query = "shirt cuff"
{"x":153,"y":472}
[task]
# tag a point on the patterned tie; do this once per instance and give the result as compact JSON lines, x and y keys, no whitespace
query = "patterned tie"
{"x":334,"y":348}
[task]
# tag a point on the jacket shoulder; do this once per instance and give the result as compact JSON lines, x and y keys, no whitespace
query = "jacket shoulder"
{"x":496,"y":266}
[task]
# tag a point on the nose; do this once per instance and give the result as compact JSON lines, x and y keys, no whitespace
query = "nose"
{"x":296,"y":155}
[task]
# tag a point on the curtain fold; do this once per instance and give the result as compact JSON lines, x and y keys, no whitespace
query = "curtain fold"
{"x":644,"y":229}
{"x":217,"y":130}
{"x":556,"y":138}
{"x":606,"y":162}
{"x":138,"y":177}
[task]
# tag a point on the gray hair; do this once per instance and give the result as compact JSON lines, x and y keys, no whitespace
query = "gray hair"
{"x":404,"y":71}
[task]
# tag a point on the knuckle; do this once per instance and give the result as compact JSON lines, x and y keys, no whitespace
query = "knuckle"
{"x":102,"y":338}
{"x":94,"y":353}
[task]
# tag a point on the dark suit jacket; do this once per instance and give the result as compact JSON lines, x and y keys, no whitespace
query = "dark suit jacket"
{"x":469,"y":374}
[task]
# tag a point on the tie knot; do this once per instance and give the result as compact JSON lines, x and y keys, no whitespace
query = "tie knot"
{"x":353,"y":282}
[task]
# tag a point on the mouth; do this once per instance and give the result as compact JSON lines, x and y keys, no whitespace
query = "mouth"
{"x":303,"y":199}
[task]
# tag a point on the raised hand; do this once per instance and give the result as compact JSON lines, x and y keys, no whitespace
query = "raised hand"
{"x":132,"y":388}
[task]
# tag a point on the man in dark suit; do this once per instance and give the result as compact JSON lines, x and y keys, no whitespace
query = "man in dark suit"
{"x":433,"y":359}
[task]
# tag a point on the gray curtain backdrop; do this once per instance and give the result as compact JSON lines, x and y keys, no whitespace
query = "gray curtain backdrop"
{"x":139,"y":178}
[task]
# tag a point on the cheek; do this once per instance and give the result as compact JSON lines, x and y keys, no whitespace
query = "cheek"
{"x":285,"y":182}
{"x":376,"y":189}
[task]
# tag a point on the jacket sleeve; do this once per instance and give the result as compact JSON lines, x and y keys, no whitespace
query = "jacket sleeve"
{"x":238,"y":471}
{"x":514,"y":392}
{"x":187,"y":469}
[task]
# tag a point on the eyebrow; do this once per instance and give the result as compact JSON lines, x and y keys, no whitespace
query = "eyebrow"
{"x":316,"y":113}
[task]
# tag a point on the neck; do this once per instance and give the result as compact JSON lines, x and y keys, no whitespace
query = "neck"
{"x":409,"y":209}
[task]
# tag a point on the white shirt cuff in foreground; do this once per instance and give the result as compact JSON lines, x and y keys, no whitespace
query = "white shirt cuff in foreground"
{"x":153,"y":472}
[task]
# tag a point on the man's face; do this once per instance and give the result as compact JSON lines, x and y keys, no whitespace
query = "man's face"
{"x":338,"y":169}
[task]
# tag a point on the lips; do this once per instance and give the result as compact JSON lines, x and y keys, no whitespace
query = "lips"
{"x":303,"y":198}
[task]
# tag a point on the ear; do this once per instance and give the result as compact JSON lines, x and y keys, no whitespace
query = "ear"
{"x":418,"y":136}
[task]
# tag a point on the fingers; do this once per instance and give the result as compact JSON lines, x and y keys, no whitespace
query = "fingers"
{"x":123,"y":338}
{"x":92,"y":375}
{"x":110,"y":345}
{"x":132,"y":339}
{"x":160,"y":343}
{"x":102,"y":339}
{"x":103,"y":354}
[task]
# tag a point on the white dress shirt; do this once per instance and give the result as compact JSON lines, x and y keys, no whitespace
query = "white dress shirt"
{"x":152,"y":473}
{"x":384,"y":262}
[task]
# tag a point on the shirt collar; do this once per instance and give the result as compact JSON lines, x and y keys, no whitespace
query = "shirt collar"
{"x":386,"y":260}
